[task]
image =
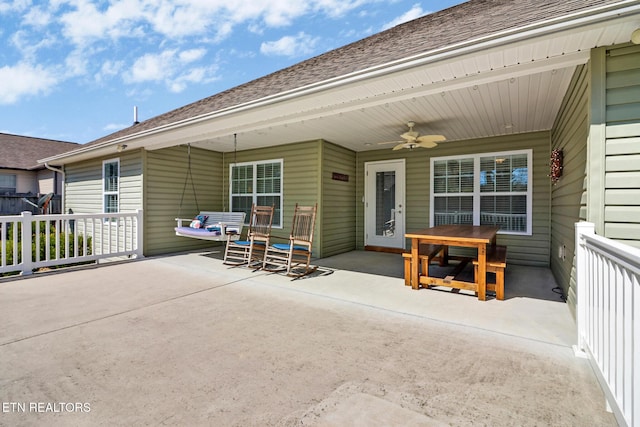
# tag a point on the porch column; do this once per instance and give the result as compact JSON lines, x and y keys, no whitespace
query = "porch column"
{"x":582,"y":228}
{"x":26,"y":242}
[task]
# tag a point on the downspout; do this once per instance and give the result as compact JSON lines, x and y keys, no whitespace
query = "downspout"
{"x":61,"y":172}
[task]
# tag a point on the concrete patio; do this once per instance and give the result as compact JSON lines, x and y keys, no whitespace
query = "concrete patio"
{"x":186,"y":340}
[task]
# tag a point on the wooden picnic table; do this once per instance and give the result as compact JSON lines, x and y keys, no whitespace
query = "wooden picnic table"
{"x":475,"y":236}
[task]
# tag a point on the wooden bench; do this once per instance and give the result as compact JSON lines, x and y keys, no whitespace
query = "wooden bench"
{"x":496,"y":263}
{"x":427,"y":253}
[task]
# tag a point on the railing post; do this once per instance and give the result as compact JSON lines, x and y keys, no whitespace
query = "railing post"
{"x":139,"y":233}
{"x":582,"y":228}
{"x":26,"y":241}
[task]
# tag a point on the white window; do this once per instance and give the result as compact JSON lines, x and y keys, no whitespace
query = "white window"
{"x":110,"y":186}
{"x":259,"y":183}
{"x":483,"y":189}
{"x":7,"y":183}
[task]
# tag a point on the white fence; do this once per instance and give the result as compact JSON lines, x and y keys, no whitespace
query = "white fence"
{"x":608,"y":318}
{"x":29,"y":242}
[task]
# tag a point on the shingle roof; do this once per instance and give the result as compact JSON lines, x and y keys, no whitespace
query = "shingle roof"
{"x":467,"y":21}
{"x":23,"y":152}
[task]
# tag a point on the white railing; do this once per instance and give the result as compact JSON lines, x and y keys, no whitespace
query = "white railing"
{"x":29,"y":242}
{"x":608,"y":318}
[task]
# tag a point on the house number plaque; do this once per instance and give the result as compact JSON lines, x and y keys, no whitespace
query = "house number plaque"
{"x":340,"y":177}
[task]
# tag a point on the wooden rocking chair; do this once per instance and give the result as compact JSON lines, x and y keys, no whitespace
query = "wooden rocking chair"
{"x":295,"y":257}
{"x":252,"y":251}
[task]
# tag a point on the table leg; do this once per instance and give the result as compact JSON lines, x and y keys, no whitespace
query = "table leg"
{"x":481,"y":278}
{"x":415,"y":263}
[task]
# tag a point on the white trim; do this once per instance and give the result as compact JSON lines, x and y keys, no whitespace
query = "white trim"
{"x":254,"y":193}
{"x":106,"y":193}
{"x":400,"y":166}
{"x":477,"y":194}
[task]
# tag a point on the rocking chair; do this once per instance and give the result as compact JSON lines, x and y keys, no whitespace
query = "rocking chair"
{"x":294,"y":257}
{"x":252,"y":250}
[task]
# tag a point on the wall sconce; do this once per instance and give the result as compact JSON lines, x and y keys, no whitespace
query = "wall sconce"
{"x":121,"y":147}
{"x":635,"y":36}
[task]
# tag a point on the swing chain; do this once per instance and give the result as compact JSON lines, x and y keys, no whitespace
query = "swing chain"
{"x":186,"y":179}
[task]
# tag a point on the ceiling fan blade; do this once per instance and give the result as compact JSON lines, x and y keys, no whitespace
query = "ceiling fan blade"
{"x":400,"y":146}
{"x":427,"y":144}
{"x":410,"y":136}
{"x":431,"y":138}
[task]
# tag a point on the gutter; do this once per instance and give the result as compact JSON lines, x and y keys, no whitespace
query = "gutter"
{"x":518,"y":34}
{"x":61,"y":172}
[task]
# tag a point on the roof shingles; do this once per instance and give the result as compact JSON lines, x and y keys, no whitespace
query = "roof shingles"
{"x":23,"y":152}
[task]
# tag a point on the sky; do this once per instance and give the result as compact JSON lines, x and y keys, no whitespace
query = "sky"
{"x":73,"y":70}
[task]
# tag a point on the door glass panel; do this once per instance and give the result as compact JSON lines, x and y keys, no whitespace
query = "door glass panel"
{"x":385,"y":203}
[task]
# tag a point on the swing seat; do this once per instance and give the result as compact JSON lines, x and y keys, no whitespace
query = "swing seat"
{"x":219,"y":226}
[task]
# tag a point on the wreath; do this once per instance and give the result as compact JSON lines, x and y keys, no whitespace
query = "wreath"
{"x":555,"y":165}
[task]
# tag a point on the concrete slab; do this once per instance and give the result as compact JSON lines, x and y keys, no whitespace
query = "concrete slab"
{"x":185,"y":340}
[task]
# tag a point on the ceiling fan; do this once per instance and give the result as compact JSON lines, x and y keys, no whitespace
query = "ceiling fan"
{"x":413,"y":139}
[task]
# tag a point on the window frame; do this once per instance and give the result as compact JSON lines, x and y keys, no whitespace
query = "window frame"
{"x":278,"y":222}
{"x":106,"y":193}
{"x":477,"y":193}
{"x":15,"y":183}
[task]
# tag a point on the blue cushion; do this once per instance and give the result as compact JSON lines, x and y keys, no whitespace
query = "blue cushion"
{"x":246,"y":242}
{"x":242,"y":242}
{"x":286,"y":246}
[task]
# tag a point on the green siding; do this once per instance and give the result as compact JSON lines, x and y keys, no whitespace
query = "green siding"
{"x":601,"y":183}
{"x":166,"y":197}
{"x":301,"y":181}
{"x":524,"y":250}
{"x":338,"y":203}
{"x":83,"y":184}
{"x":622,"y":145}
{"x":570,"y":133}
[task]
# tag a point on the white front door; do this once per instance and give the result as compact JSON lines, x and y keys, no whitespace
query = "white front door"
{"x":384,"y":204}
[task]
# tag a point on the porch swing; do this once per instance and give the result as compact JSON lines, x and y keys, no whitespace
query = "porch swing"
{"x":214,"y":226}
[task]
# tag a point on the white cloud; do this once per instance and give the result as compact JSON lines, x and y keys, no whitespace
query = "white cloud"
{"x":24,"y":79}
{"x":14,"y":6}
{"x":37,"y":17}
{"x":191,"y":55}
{"x":169,"y":67}
{"x":29,"y":46}
{"x":109,"y":69}
{"x":152,"y":67}
{"x":291,"y":46}
{"x":108,"y":38}
{"x":415,"y":12}
{"x":76,"y":64}
{"x":86,"y":23}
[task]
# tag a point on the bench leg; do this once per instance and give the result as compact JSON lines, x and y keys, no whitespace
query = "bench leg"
{"x":499,"y":280}
{"x":500,"y":284}
{"x":407,"y":271}
{"x":425,"y":266}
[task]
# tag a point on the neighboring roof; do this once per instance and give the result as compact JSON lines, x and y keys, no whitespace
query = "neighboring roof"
{"x":23,"y":152}
{"x":468,"y":21}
